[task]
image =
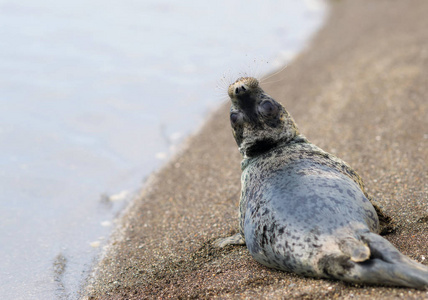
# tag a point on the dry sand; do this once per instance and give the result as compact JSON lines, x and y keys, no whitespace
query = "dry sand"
{"x":361,"y":92}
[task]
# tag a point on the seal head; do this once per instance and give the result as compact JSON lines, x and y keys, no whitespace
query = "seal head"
{"x":259,"y":123}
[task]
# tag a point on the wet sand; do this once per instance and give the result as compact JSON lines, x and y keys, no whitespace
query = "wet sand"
{"x":361,"y":92}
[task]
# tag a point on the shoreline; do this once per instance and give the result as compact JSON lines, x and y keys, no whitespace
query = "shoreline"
{"x":358,"y":92}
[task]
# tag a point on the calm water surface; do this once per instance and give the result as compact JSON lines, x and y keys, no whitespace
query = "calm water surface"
{"x":95,"y":95}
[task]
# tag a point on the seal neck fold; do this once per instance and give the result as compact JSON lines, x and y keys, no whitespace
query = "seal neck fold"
{"x":246,"y":161}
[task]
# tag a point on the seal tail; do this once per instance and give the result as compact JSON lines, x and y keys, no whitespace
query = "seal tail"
{"x":385,"y":265}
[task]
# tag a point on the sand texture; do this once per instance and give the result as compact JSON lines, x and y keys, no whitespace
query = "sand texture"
{"x":360,"y":91}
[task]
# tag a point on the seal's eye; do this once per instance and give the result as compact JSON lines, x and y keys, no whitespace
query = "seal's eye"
{"x":235,"y":118}
{"x":267,"y":108}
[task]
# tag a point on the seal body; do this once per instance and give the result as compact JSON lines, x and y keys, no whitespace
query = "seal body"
{"x":302,"y":209}
{"x":295,"y":211}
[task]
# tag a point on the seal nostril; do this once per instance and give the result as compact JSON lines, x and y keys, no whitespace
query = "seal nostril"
{"x":240,"y":89}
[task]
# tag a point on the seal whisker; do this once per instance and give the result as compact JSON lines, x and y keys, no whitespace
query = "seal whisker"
{"x":264,"y":79}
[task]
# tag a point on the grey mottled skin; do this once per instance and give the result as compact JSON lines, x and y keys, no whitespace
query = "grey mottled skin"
{"x":302,"y":209}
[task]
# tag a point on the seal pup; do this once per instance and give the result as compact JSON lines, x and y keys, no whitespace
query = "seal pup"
{"x":302,"y":209}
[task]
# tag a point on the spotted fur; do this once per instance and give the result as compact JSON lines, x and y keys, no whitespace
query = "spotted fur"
{"x":302,"y":209}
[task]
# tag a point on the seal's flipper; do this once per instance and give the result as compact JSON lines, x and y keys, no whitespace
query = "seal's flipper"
{"x":236,"y":239}
{"x":356,"y":250}
{"x":385,"y":266}
{"x":378,"y":271}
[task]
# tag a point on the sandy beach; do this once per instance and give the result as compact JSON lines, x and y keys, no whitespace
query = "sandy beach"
{"x":360,"y":91}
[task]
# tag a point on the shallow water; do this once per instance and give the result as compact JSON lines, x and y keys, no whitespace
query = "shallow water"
{"x":94,"y":96}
